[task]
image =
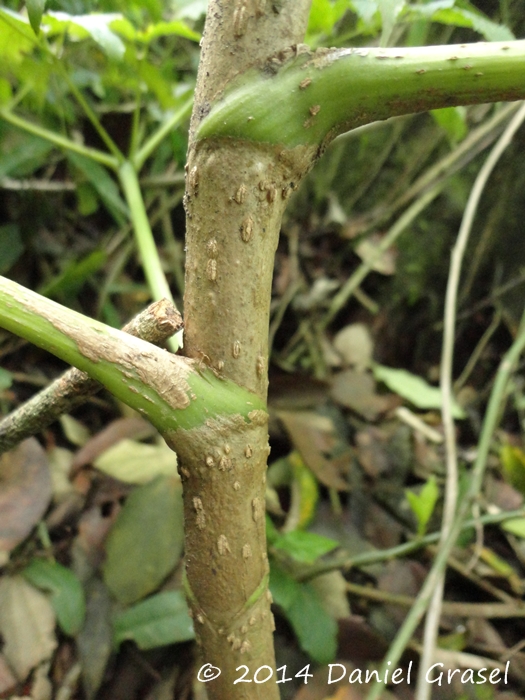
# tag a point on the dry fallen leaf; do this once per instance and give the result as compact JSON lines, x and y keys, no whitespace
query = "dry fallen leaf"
{"x":331,"y":589}
{"x":313,"y":436}
{"x":109,"y":436}
{"x":27,"y":625}
{"x":355,"y":345}
{"x":25,"y":491}
{"x":369,"y":250}
{"x":357,"y":391}
{"x":7,"y":680}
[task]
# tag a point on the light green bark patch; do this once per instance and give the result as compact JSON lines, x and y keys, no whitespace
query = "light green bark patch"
{"x":171,"y":391}
{"x":316,"y":96}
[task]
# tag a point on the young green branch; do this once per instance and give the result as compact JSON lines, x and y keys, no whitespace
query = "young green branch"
{"x":307,"y":98}
{"x":171,"y":391}
{"x":155,"y":324}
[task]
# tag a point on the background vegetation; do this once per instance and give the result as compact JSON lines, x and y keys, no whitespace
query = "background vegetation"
{"x":90,"y":526}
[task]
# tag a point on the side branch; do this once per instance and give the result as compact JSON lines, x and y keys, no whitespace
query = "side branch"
{"x":155,"y":324}
{"x":173,"y":392}
{"x":307,"y":98}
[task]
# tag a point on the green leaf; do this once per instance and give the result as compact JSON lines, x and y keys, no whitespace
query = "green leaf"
{"x":324,"y":14}
{"x":190,"y":9}
{"x":6,"y":379}
{"x":159,"y":620}
{"x":105,"y":186}
{"x":423,"y":503}
{"x":67,"y":595}
{"x":390,"y":11}
{"x":272,"y":533}
{"x":428,"y":10}
{"x":489,"y":29}
{"x":11,"y":246}
{"x":80,"y":27}
{"x":513,"y":463}
{"x":145,"y":543}
{"x":316,"y":631}
{"x":465,"y":18}
{"x":305,"y":547}
{"x":460,"y":14}
{"x":87,"y":199}
{"x":413,"y":388}
{"x":21,"y":157}
{"x":16,"y":37}
{"x":75,"y":431}
{"x":516,"y":526}
{"x":452,"y":119}
{"x":6,"y":94}
{"x":365,"y":9}
{"x":175,"y":28}
{"x":35,"y":10}
{"x":69,"y":282}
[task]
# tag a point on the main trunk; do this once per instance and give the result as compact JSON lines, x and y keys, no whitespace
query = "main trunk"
{"x":236,"y":193}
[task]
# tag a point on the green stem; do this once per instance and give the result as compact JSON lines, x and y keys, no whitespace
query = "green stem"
{"x":151,"y":144}
{"x":489,"y":425}
{"x":146,"y":244}
{"x":135,"y":126}
{"x":315,"y":96}
{"x":90,"y":114}
{"x":375,"y":556}
{"x":130,"y":185}
{"x":172,"y":392}
{"x":58,"y":140}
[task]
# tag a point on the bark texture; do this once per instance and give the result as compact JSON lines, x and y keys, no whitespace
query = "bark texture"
{"x":236,"y":193}
{"x":156,"y":324}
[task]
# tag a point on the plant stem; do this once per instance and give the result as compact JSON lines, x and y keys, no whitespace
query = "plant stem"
{"x":484,"y":610}
{"x":58,"y":140}
{"x":90,"y":114}
{"x":235,"y":196}
{"x":380,"y":555}
{"x":423,"y":689}
{"x":489,"y":425}
{"x":174,"y":393}
{"x":145,"y":242}
{"x":155,"y":324}
{"x":151,"y":144}
{"x":313,"y":97}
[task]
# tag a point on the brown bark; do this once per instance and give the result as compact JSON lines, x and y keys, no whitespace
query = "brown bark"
{"x":235,"y":197}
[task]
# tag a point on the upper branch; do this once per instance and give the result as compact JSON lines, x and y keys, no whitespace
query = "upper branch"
{"x":307,"y":98}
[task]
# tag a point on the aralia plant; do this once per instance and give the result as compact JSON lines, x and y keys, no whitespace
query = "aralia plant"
{"x":265,"y":108}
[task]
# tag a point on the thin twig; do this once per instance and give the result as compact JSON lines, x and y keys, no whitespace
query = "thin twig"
{"x":344,"y":561}
{"x":424,"y":689}
{"x":428,"y":186}
{"x":155,"y":324}
{"x":478,"y":140}
{"x":346,"y":291}
{"x":490,"y":422}
{"x":58,"y":140}
{"x":149,"y":256}
{"x":9,"y":183}
{"x":478,"y":350}
{"x":459,"y":609}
